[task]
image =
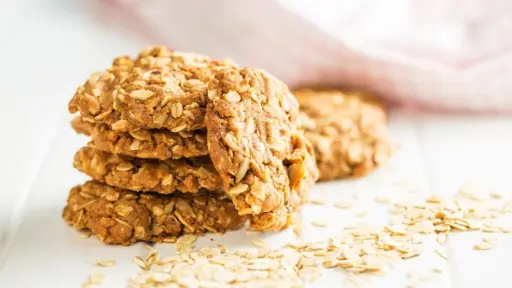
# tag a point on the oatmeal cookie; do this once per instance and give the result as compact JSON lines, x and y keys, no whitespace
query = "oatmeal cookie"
{"x":347,"y":129}
{"x":162,"y":176}
{"x":142,"y":143}
{"x":159,"y":89}
{"x":255,"y":143}
{"x":123,"y":217}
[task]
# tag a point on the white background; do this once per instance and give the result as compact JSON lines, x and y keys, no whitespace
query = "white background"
{"x":49,"y":48}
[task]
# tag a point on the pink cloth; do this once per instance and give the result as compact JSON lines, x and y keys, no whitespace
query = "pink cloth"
{"x":438,"y":54}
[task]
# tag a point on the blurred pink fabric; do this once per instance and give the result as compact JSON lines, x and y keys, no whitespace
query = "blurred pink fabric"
{"x":446,"y":55}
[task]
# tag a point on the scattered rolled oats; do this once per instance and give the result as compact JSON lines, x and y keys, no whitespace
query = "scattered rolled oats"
{"x":496,"y":195}
{"x":410,"y":255}
{"x":141,"y":263}
{"x":297,"y":228}
{"x":360,"y":214}
{"x":382,"y":199}
{"x":484,"y":246}
{"x":343,"y":204}
{"x":319,"y":223}
{"x":437,"y":270}
{"x":425,"y":277}
{"x":490,"y":238}
{"x":441,"y":253}
{"x":491,"y":230}
{"x":317,"y":201}
{"x":361,"y":249}
{"x":94,"y":280}
{"x":106,"y":263}
{"x":441,"y":238}
{"x":260,"y":243}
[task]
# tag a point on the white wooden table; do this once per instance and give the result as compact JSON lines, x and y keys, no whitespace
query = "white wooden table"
{"x":51,"y":50}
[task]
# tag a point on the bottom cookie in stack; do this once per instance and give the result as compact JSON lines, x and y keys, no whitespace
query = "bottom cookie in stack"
{"x":348,"y":131}
{"x":118,"y":216}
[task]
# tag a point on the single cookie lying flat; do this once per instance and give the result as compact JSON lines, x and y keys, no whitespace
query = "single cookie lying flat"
{"x":348,"y":132}
{"x":119,"y":216}
{"x":185,"y":175}
{"x":158,"y":143}
{"x":159,"y":89}
{"x":264,"y":160}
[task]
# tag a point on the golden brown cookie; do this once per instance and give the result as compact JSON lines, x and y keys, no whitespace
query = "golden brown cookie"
{"x":163,"y":176}
{"x":123,"y":217}
{"x":142,"y":143}
{"x":159,"y":89}
{"x":255,"y":144}
{"x":347,"y":129}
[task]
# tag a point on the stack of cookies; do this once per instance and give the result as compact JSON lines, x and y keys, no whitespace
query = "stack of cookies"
{"x":183,"y":144}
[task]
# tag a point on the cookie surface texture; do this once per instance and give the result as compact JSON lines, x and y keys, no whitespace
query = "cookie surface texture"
{"x":159,"y":89}
{"x":118,"y":216}
{"x":143,"y":143}
{"x":164,"y":176}
{"x":348,"y":131}
{"x":255,"y":144}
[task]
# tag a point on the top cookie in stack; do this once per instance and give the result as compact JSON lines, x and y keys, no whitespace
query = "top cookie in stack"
{"x":160,"y":89}
{"x":169,"y":122}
